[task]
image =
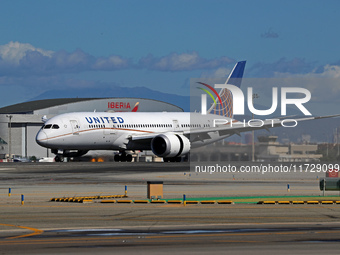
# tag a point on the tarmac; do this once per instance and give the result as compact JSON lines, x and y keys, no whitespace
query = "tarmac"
{"x":39,"y":226}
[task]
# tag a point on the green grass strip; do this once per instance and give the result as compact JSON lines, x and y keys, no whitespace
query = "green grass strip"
{"x":255,"y":199}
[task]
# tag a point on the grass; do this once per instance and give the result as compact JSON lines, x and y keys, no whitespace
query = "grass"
{"x":256,"y":199}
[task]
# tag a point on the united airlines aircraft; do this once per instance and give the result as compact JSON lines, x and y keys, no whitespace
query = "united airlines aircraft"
{"x":168,"y":135}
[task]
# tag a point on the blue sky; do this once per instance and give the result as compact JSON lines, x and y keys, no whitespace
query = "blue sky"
{"x":82,"y":44}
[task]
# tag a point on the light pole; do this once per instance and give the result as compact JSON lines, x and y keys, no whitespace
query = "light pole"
{"x":10,"y":137}
{"x":337,"y":140}
{"x":253,"y":134}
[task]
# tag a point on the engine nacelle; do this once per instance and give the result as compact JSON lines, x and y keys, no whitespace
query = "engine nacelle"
{"x":170,"y":145}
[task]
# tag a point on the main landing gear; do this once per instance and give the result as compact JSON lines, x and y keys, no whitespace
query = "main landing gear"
{"x":123,"y":157}
{"x":175,"y":159}
{"x":59,"y":158}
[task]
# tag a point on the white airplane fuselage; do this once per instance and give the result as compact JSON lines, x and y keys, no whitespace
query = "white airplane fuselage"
{"x":168,"y":134}
{"x":114,"y":131}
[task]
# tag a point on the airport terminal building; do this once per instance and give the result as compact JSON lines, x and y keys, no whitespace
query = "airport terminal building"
{"x":20,"y":123}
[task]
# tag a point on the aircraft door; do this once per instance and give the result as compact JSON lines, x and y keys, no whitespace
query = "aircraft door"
{"x":175,"y":125}
{"x":75,"y":127}
{"x":110,"y":129}
{"x":110,"y":134}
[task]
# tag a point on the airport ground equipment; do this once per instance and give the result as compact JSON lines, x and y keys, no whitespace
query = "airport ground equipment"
{"x":330,"y":184}
{"x":155,"y":189}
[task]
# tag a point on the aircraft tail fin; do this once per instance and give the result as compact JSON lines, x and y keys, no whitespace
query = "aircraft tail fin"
{"x":223,"y":105}
{"x":135,"y":108}
{"x":235,"y":77}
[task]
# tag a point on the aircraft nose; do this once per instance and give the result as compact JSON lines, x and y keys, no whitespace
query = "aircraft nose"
{"x":42,"y":138}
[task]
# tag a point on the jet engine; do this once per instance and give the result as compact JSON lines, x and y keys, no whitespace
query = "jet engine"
{"x":170,"y":145}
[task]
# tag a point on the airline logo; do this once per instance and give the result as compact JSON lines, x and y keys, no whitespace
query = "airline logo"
{"x":122,"y":106}
{"x":103,"y":120}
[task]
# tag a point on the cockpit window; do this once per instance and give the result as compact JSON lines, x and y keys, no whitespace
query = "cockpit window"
{"x":48,"y":126}
{"x":55,"y":126}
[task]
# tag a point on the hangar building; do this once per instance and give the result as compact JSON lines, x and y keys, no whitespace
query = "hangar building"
{"x":20,"y":123}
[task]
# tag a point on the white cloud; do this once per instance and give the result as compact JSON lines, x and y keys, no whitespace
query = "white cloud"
{"x":182,"y":62}
{"x":216,"y":73}
{"x":282,"y":66}
{"x":331,"y":71}
{"x":23,"y":59}
{"x":323,"y":85}
{"x":327,"y":71}
{"x":13,"y":52}
{"x":111,"y":63}
{"x":322,"y":81}
{"x":178,"y":61}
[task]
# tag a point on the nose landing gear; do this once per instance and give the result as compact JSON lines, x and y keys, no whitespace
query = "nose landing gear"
{"x":61,"y":154}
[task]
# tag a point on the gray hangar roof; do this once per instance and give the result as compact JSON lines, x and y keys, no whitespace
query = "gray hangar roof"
{"x":63,"y":105}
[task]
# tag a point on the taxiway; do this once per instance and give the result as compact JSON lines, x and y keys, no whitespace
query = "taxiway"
{"x":43,"y":227}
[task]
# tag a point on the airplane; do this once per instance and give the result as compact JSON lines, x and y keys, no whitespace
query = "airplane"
{"x":169,"y":135}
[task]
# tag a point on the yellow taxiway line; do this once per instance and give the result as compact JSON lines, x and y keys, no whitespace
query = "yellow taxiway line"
{"x":35,"y":231}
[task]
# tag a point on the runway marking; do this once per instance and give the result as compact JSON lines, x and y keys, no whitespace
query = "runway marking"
{"x":241,"y":234}
{"x":237,"y":241}
{"x":35,"y":231}
{"x":65,"y":240}
{"x":184,"y":219}
{"x":134,"y":238}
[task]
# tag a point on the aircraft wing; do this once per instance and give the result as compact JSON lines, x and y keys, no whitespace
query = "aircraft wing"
{"x":239,"y":127}
{"x":227,"y":129}
{"x":148,"y":137}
